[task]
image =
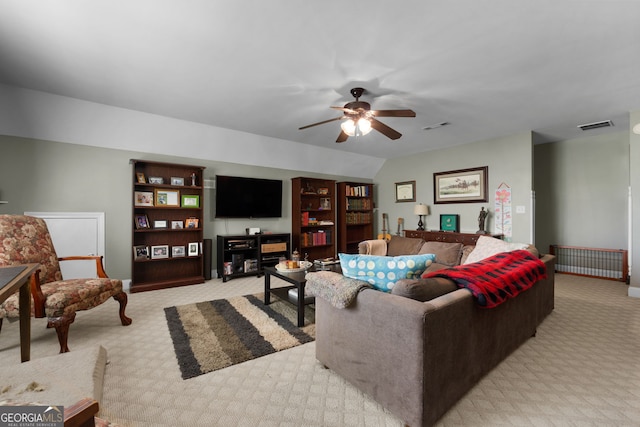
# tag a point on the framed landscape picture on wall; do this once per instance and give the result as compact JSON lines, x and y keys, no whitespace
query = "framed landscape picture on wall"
{"x":461,"y":186}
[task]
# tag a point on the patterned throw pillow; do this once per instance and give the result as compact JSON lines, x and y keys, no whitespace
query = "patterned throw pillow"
{"x":488,"y":246}
{"x":382,"y":272}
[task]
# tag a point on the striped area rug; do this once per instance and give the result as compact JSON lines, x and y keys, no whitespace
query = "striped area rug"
{"x":212,"y":335}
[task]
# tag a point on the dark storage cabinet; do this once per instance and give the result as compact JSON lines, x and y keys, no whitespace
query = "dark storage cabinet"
{"x":247,"y":255}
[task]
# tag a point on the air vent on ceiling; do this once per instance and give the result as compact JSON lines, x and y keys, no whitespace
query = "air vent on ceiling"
{"x":437,"y":125}
{"x":596,"y":125}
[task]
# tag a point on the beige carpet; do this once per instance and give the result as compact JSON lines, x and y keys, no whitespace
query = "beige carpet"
{"x":582,"y":369}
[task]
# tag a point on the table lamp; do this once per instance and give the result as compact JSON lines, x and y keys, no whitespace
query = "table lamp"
{"x":421,"y":210}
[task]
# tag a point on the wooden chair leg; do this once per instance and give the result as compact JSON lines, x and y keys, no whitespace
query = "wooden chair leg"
{"x":62,"y":329}
{"x":122,"y":299}
{"x":1,"y":324}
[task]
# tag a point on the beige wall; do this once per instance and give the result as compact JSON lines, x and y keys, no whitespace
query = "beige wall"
{"x":47,"y":176}
{"x":509,"y":160}
{"x":581,"y":191}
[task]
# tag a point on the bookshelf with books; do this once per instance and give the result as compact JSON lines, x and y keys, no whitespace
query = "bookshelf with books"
{"x":313,"y":229}
{"x":355,"y":215}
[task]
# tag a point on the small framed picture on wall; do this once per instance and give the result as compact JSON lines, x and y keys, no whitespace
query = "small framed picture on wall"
{"x":405,"y":191}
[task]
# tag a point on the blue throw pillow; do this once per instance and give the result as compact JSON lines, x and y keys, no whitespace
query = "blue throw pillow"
{"x":382,"y":272}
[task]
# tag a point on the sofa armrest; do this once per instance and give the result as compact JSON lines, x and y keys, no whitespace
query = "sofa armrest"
{"x":373,"y":247}
{"x":377,"y":340}
{"x":363,"y":247}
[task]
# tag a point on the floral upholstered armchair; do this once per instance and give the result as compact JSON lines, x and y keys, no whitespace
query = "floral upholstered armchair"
{"x":25,"y":239}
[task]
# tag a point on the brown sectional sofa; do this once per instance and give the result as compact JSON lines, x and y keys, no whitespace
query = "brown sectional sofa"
{"x":418,"y":354}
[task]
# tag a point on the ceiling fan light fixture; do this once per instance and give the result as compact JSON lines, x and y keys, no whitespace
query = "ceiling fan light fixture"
{"x":352,"y":128}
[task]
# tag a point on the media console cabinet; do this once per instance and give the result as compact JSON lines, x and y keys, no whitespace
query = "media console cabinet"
{"x":248,"y":254}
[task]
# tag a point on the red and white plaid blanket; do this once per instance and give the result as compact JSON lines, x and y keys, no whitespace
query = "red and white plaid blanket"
{"x":495,"y":279}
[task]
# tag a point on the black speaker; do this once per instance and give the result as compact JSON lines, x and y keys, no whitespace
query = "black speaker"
{"x":206,"y":258}
{"x":237,"y":260}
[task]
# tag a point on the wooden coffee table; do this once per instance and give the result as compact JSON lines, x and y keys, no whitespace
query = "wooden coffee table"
{"x":298,"y":281}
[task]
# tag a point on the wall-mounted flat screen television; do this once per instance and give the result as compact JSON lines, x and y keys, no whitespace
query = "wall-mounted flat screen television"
{"x":240,"y":197}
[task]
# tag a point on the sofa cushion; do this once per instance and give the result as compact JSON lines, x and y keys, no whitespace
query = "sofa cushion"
{"x":423,"y":289}
{"x":446,"y":253}
{"x":434,"y":267}
{"x":534,"y":251}
{"x":487,"y":246}
{"x":399,"y":245}
{"x":466,"y":250}
{"x":382,"y":272}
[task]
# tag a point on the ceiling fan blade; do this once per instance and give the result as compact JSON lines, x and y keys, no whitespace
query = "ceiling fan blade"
{"x":346,"y":110}
{"x":393,"y":113}
{"x":384,"y":129}
{"x":342,"y":137}
{"x":321,"y":123}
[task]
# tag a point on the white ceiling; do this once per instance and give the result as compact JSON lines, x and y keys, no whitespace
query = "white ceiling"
{"x":489,"y":68}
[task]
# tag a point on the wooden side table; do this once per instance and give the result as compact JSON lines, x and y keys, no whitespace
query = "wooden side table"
{"x":11,"y":279}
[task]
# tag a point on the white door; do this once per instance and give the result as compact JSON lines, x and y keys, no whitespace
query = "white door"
{"x":76,"y":233}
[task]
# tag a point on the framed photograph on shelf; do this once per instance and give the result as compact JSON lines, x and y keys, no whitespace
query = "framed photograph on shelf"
{"x":461,"y":186}
{"x":141,"y":221}
{"x":143,"y":198}
{"x":140,"y":252}
{"x":177,"y":180}
{"x":160,"y":251}
{"x":406,"y":191}
{"x":450,"y":223}
{"x":168,"y":198}
{"x":193,"y":249}
{"x":325,"y":204}
{"x":141,"y":178}
{"x":190,"y":201}
{"x":156,"y":180}
{"x":176,"y":225}
{"x":160,"y":223}
{"x":177,"y":251}
{"x":191,"y":223}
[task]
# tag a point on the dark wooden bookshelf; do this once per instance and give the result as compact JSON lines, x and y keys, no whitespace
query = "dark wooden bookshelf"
{"x":313,"y":218}
{"x":355,"y":215}
{"x":158,"y":273}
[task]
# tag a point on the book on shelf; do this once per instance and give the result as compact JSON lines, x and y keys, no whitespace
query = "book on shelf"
{"x":357,"y":190}
{"x":358,"y":204}
{"x":317,"y":238}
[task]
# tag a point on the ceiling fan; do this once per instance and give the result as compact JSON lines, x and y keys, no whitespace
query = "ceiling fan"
{"x":360,"y":118}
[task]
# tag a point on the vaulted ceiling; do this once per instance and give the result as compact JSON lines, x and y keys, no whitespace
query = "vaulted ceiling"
{"x":487,"y":68}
